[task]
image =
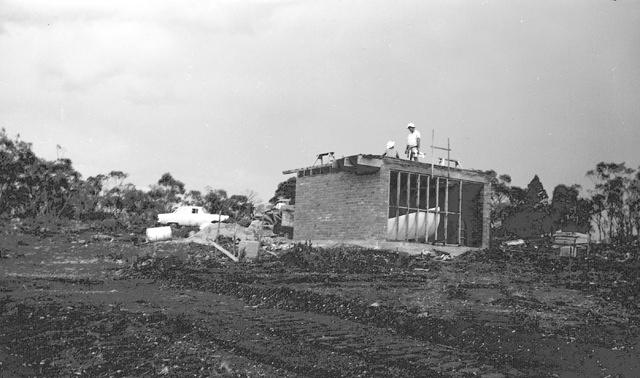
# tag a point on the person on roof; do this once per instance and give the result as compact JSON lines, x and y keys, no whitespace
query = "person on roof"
{"x":391,"y":150}
{"x":413,"y":142}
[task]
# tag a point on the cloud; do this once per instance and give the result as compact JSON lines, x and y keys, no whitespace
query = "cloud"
{"x":61,"y":77}
{"x":43,"y":13}
{"x":82,"y":45}
{"x":151,"y":92}
{"x":228,"y":17}
{"x":222,"y":17}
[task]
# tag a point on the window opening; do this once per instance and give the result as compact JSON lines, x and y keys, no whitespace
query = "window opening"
{"x":433,"y":209}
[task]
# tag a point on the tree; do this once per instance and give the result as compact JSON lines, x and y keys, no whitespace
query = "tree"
{"x":138,"y":205}
{"x":59,"y":182}
{"x":215,"y":201}
{"x":252,"y":197}
{"x":193,"y":198}
{"x":507,"y":202}
{"x":175,"y":186}
{"x":529,"y":215}
{"x":87,"y":197}
{"x":517,"y":196}
{"x":17,"y":166}
{"x":634,"y":203}
{"x":570,"y":212}
{"x":525,"y":224}
{"x":30,"y":186}
{"x":598,"y":213}
{"x":614,"y":183}
{"x":536,"y":196}
{"x":584,"y":215}
{"x":285,"y":190}
{"x":115,"y":179}
{"x":240,"y":207}
{"x":113,"y":192}
{"x":500,"y":197}
{"x":168,"y":192}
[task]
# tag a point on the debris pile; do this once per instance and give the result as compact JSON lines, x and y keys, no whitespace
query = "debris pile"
{"x":276,"y":243}
{"x":233,"y":231}
{"x":349,"y":259}
{"x":236,"y":238}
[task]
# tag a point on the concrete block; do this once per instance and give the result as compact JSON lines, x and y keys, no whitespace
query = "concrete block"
{"x":250,"y":248}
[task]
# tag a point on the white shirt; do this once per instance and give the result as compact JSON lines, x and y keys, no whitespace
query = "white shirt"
{"x":412,"y":138}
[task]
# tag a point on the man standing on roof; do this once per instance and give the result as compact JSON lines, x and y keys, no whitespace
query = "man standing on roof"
{"x":413,"y":142}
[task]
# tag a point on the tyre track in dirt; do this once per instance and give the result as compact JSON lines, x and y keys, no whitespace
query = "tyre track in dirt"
{"x":497,"y":340}
{"x":315,"y":344}
{"x":381,"y":338}
{"x":304,"y":343}
{"x":78,"y":339}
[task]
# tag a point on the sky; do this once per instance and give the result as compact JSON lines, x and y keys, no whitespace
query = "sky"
{"x":228,"y":94}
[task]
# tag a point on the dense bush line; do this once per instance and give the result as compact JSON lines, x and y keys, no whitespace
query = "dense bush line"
{"x":34,"y":188}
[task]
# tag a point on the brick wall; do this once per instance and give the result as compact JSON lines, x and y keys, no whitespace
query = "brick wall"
{"x":341,"y":206}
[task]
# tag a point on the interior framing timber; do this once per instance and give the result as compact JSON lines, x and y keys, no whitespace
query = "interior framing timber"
{"x":408,"y":182}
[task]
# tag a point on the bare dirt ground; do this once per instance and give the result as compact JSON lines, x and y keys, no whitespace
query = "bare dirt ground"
{"x":72,"y":304}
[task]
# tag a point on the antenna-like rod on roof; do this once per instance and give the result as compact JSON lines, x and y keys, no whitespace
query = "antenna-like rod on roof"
{"x":434,"y":147}
{"x":433,"y":138}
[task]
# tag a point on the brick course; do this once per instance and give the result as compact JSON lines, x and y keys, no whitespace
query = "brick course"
{"x":340,"y":206}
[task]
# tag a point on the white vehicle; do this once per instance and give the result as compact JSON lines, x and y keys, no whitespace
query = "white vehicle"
{"x":190,"y":216}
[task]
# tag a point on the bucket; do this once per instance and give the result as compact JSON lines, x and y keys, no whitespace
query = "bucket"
{"x":158,"y":233}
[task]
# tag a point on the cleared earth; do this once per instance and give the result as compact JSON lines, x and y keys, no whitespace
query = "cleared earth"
{"x":73,"y":304}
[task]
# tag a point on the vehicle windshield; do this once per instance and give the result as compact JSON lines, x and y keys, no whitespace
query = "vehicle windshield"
{"x":190,"y":209}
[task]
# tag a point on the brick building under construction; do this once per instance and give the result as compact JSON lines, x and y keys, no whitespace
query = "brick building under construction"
{"x":391,"y":202}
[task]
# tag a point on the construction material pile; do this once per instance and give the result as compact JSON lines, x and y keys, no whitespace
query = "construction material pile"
{"x":209,"y":233}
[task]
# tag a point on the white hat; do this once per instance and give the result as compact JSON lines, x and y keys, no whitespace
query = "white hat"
{"x":390,"y":144}
{"x":410,"y":125}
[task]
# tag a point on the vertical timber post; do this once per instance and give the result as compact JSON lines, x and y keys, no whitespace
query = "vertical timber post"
{"x":406,"y":219}
{"x":418,"y":176}
{"x":446,"y":212}
{"x":426,"y":237}
{"x":397,"y":205}
{"x":433,"y":137}
{"x":460,"y":212}
{"x":437,"y":210}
